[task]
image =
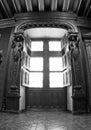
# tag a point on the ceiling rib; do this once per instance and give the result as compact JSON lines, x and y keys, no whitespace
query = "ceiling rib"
{"x":41,"y":5}
{"x":54,"y":5}
{"x":18,"y":5}
{"x":80,"y":1}
{"x":88,"y":11}
{"x":29,"y":5}
{"x":4,"y":8}
{"x":13,"y":1}
{"x":86,"y":7}
{"x":75,"y":5}
{"x":8,"y":8}
{"x":66,"y":5}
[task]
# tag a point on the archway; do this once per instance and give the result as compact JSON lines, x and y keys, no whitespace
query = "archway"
{"x":78,"y":102}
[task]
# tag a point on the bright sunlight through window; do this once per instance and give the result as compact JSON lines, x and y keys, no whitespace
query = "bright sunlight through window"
{"x":37,"y":46}
{"x":55,"y":64}
{"x":36,"y":80}
{"x":36,"y":64}
{"x":54,"y":45}
{"x":56,"y":79}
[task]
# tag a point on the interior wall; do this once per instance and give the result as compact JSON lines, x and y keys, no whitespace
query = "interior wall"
{"x":85,"y":30}
{"x":4,"y":41}
{"x":22,"y":98}
{"x":69,"y":98}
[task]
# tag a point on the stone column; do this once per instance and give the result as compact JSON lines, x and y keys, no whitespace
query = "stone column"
{"x":13,"y":77}
{"x":78,"y":91}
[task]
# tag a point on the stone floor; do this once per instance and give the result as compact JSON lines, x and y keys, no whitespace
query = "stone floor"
{"x":44,"y":120}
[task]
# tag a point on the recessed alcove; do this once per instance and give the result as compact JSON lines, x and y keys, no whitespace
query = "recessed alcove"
{"x":45,"y":32}
{"x":43,"y":72}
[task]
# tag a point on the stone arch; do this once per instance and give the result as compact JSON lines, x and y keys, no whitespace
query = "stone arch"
{"x":74,"y":32}
{"x":59,"y":24}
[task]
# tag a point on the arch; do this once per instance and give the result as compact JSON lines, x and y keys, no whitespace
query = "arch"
{"x":21,"y":27}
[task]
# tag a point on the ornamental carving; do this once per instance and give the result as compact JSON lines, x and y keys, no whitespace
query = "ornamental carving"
{"x":74,"y":48}
{"x":74,"y":44}
{"x":43,"y":24}
{"x":15,"y":61}
{"x":17,"y":46}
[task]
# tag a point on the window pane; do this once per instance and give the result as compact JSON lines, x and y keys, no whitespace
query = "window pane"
{"x":56,"y":80}
{"x":37,"y":46}
{"x":54,"y":45}
{"x":36,"y":80}
{"x":55,"y":64}
{"x":36,"y":64}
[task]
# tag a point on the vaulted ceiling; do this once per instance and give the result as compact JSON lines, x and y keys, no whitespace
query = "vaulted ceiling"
{"x":10,"y":7}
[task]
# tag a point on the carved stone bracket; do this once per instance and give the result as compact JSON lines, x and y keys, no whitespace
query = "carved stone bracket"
{"x":74,"y":49}
{"x":17,"y":45}
{"x":74,"y":44}
{"x":15,"y":62}
{"x":78,"y":89}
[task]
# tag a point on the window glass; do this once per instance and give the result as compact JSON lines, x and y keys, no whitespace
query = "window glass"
{"x":36,"y":64}
{"x":54,"y":45}
{"x":56,"y":80}
{"x":55,"y":63}
{"x":36,"y":45}
{"x":36,"y":80}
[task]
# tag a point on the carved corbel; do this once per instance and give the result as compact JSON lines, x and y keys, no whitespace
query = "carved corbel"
{"x":74,"y":44}
{"x":16,"y":50}
{"x":17,"y":45}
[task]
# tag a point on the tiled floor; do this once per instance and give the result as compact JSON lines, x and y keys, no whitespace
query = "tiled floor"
{"x":44,"y":120}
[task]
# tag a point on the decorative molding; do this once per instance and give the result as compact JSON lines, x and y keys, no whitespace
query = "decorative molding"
{"x":75,"y":50}
{"x":43,"y":24}
{"x":4,"y":23}
{"x":45,"y":15}
{"x":16,"y":54}
{"x":42,"y":16}
{"x":74,"y":44}
{"x":17,"y":46}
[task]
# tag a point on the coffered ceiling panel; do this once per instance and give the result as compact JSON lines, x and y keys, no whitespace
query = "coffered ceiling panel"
{"x":10,"y":7}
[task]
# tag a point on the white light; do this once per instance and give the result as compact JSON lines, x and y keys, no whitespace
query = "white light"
{"x":56,"y":80}
{"x":36,"y":64}
{"x":36,"y":80}
{"x":55,"y":64}
{"x":37,"y":46}
{"x":54,"y":45}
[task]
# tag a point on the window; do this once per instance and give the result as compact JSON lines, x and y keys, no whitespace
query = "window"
{"x":56,"y":80}
{"x":55,"y":63}
{"x":45,"y":65}
{"x":36,"y":64}
{"x":54,"y":45}
{"x":36,"y":80}
{"x":36,"y":72}
{"x":36,"y":45}
{"x":55,"y":74}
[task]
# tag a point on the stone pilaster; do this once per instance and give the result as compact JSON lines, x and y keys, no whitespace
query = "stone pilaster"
{"x":78,"y":93}
{"x":13,"y":80}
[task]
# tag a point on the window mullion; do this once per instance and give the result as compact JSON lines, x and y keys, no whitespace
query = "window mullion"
{"x":46,"y":65}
